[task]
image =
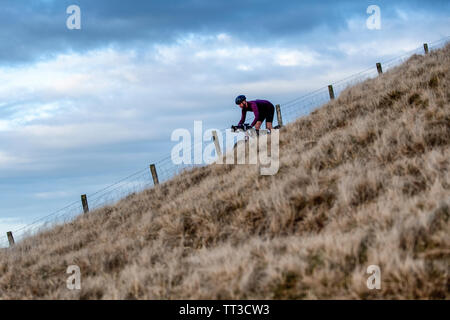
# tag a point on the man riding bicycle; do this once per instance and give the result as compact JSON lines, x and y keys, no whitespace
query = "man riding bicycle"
{"x":263,"y":110}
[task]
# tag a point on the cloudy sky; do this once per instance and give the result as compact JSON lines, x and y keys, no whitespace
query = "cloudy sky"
{"x":81,"y":109}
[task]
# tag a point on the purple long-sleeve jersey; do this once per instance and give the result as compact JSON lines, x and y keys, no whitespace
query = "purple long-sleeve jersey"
{"x":257,"y":107}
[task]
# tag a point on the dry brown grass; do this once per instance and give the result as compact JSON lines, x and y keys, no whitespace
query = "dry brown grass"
{"x":363,"y":180}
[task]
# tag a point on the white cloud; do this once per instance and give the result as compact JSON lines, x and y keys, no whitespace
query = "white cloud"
{"x":83,"y":135}
{"x":402,"y":30}
{"x":377,"y":48}
{"x":51,"y":194}
{"x":29,"y":112}
{"x":7,"y":159}
{"x":244,"y":67}
{"x":223,"y":37}
{"x":290,"y":58}
{"x":5,"y":125}
{"x":403,"y":15}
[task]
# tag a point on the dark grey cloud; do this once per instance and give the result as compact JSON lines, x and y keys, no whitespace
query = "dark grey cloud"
{"x":31,"y":30}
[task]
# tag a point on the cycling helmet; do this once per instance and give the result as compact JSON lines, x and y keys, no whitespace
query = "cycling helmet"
{"x":239,"y":99}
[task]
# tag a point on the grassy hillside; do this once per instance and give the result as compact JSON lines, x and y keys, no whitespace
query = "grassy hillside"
{"x":363,"y":180}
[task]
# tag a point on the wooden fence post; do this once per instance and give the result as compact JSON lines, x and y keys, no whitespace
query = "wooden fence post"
{"x":279,"y":118}
{"x":425,"y":48}
{"x":379,"y":69}
{"x":216,"y":143}
{"x":10,"y":238}
{"x":331,"y":92}
{"x":154,"y":174}
{"x":84,"y":202}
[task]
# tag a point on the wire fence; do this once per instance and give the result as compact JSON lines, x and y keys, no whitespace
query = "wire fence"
{"x":166,"y":169}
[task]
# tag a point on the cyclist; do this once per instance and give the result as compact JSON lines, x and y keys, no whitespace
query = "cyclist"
{"x":262,"y":109}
